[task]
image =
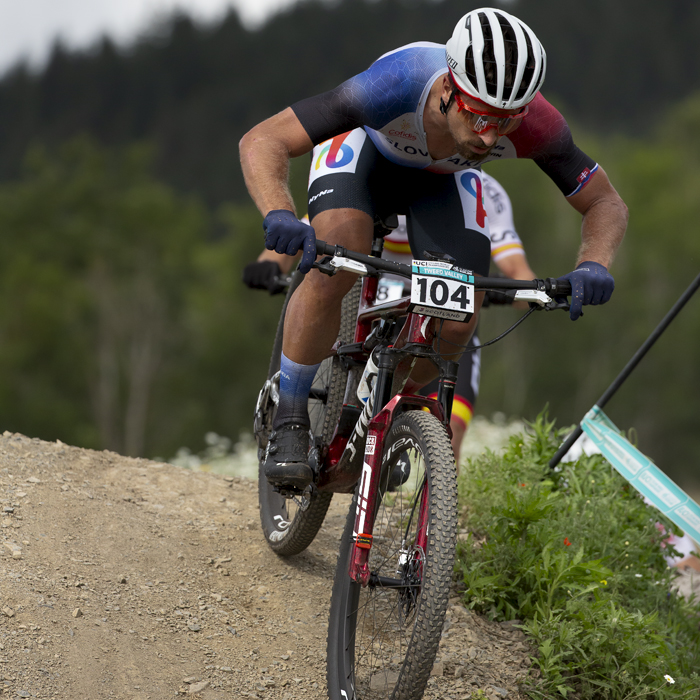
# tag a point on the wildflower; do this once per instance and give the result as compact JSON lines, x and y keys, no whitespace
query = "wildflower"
{"x":566,"y":542}
{"x":604,"y":582}
{"x":669,"y":679}
{"x":522,"y":484}
{"x":626,"y":542}
{"x":638,"y":576}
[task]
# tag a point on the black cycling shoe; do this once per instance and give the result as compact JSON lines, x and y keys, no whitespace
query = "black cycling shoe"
{"x":400,"y":473}
{"x":287,"y":457}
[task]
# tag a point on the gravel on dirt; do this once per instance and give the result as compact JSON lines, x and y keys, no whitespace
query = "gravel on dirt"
{"x":125,"y":578}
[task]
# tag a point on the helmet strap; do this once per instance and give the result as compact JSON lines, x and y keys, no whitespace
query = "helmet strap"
{"x":444,"y":107}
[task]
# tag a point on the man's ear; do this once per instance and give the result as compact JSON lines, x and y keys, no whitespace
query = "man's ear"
{"x":446,"y":87}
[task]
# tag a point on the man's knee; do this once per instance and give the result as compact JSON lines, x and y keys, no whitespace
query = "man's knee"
{"x":328,"y":291}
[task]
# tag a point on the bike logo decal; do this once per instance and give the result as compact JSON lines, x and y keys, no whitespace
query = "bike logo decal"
{"x":471,"y":182}
{"x":362,"y":501}
{"x":332,"y":152}
{"x":401,"y":445}
{"x":281,"y":531}
{"x":371,"y":445}
{"x":281,"y":523}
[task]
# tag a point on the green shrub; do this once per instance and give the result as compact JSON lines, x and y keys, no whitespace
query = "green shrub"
{"x":576,"y":556}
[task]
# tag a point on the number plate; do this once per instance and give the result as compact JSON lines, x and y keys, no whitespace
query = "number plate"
{"x":442,"y":289}
{"x":389,"y":290}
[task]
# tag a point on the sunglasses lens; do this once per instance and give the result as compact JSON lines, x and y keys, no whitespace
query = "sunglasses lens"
{"x":506,"y":126}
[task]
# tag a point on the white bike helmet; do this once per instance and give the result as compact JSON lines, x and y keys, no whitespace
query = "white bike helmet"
{"x":496,"y":58}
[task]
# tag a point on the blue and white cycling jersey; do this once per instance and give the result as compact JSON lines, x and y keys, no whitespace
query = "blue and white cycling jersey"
{"x":389,"y":98}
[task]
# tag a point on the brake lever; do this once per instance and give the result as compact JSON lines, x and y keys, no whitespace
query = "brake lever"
{"x":555,"y":305}
{"x":324,"y":265}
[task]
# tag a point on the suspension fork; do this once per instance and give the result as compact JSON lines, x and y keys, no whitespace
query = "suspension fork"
{"x":385,"y":410}
{"x":368,"y":492}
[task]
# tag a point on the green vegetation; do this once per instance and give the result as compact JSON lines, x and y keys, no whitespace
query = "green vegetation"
{"x":148,"y":218}
{"x":123,"y":320}
{"x":576,"y":557}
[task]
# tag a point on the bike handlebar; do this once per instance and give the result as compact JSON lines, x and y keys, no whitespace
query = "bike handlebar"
{"x":549,"y":285}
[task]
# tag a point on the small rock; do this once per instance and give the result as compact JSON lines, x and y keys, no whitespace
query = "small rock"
{"x":23,"y":694}
{"x":438,"y":669}
{"x":193,"y":627}
{"x":197,"y":687}
{"x":121,"y":579}
{"x":226,"y":669}
{"x":33,"y":480}
{"x":8,"y":509}
{"x":77,"y":612}
{"x":190,"y":679}
{"x":8,"y":611}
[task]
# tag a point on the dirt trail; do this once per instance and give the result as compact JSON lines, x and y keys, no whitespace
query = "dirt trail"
{"x":125,"y":578}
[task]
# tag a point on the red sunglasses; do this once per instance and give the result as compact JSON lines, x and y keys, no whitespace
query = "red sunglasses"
{"x":479,"y":121}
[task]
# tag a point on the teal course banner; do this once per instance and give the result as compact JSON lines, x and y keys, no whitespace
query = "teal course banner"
{"x":642,"y":473}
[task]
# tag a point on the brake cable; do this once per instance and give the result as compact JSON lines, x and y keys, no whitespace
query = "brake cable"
{"x":472,"y":348}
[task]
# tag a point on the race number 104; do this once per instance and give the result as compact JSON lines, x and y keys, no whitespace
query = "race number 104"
{"x":439,"y":289}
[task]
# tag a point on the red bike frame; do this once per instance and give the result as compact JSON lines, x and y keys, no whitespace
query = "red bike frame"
{"x":418,"y":331}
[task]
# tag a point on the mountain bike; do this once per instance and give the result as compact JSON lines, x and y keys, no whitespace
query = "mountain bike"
{"x":393,"y":452}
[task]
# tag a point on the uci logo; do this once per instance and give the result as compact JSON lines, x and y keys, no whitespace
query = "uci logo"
{"x":337,"y":153}
{"x":472,"y":184}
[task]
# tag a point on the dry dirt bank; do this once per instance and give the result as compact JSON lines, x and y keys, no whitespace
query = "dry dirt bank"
{"x":124,"y":578}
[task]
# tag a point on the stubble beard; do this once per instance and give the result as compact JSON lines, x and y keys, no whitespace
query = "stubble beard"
{"x":464,"y":148}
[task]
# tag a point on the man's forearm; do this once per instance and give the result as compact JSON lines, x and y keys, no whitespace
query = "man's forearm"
{"x":602,"y":231}
{"x":265,"y":165}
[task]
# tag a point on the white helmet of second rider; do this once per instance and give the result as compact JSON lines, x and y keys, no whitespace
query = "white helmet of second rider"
{"x":496,"y":58}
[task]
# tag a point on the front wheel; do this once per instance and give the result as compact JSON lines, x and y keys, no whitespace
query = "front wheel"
{"x":382,"y":639}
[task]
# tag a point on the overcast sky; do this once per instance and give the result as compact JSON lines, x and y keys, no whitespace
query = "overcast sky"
{"x":29,"y":27}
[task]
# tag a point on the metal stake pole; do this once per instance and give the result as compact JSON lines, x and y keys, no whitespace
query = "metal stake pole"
{"x":571,"y":439}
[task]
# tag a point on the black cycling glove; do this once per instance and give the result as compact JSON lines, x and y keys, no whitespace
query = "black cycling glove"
{"x":263,"y":274}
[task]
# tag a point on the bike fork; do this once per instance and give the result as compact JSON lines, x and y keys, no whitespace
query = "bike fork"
{"x":368,"y":493}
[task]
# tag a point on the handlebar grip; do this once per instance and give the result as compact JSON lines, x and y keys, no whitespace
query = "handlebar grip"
{"x":560,"y":287}
{"x":323,"y":248}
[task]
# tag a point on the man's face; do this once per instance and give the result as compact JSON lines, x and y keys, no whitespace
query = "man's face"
{"x":471,"y":145}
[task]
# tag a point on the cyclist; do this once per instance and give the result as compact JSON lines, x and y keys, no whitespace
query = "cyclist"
{"x":507,"y":253}
{"x":422,"y":118}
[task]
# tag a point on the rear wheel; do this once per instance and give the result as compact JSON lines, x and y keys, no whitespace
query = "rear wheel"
{"x":291,"y":523}
{"x":382,"y":639}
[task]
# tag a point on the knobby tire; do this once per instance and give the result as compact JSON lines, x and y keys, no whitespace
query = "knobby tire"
{"x":382,"y":641}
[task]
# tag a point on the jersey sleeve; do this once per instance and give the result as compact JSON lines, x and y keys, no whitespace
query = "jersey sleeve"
{"x":546,"y":138}
{"x":390,"y":87}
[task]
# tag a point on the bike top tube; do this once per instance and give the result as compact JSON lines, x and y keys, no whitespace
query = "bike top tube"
{"x":374,"y":265}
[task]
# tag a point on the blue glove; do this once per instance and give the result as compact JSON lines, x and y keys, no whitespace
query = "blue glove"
{"x":285,"y":234}
{"x":591,"y":283}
